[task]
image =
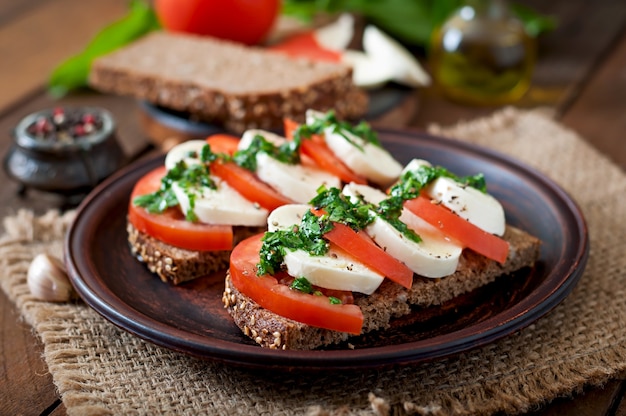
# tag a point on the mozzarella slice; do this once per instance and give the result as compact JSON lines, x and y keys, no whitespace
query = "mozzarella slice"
{"x":188,"y":151}
{"x":286,"y":216}
{"x":334,"y":270}
{"x":223,"y":205}
{"x":366,"y":159}
{"x":297,"y":182}
{"x":435,"y":256}
{"x":249,"y":135}
{"x":366,"y":72}
{"x":337,"y":35}
{"x":404,"y":68}
{"x":481,"y":209}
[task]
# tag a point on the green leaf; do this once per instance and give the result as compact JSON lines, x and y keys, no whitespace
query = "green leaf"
{"x":534,"y":22}
{"x":410,"y":21}
{"x":73,"y":73}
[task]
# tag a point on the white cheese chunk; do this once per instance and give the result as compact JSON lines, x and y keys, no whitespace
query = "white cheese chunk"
{"x":434,"y":256}
{"x":481,"y":209}
{"x":334,"y":270}
{"x":223,"y":205}
{"x":362,"y":157}
{"x":286,"y":216}
{"x":297,"y":182}
{"x":188,"y":151}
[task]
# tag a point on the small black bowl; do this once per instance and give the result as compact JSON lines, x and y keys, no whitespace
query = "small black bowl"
{"x":59,"y":158}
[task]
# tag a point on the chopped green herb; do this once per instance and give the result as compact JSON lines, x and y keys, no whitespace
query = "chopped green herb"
{"x":334,"y":301}
{"x":288,"y":152}
{"x":302,"y":284}
{"x":339,"y":208}
{"x":191,"y":178}
{"x":329,"y":120}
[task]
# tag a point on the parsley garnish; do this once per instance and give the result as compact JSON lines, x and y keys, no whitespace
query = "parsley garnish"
{"x":189,"y":177}
{"x":329,"y":120}
{"x":302,"y":284}
{"x":309,"y":234}
{"x":288,"y":152}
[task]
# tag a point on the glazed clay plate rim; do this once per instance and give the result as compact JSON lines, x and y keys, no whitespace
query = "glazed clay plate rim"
{"x":555,"y":286}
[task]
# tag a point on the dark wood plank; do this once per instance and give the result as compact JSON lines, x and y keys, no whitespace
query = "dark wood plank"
{"x":25,"y":383}
{"x":593,"y":402}
{"x":65,"y":24}
{"x":599,"y":112}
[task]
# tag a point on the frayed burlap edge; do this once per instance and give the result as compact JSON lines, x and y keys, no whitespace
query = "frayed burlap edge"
{"x":100,"y":369}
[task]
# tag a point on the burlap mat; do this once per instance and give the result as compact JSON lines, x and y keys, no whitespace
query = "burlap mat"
{"x":100,"y":369}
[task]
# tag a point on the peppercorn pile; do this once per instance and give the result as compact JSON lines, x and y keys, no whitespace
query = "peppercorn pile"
{"x":65,"y":125}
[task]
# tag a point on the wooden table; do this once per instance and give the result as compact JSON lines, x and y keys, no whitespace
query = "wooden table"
{"x":581,"y":76}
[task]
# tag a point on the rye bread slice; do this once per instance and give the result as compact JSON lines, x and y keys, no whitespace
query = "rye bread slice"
{"x":226,"y":83}
{"x":177,"y":265}
{"x":388,"y":302}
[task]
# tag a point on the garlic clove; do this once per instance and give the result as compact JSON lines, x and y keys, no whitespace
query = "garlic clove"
{"x":47,"y":279}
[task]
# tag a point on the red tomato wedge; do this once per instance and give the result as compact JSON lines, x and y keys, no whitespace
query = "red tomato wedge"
{"x":305,"y":45}
{"x":360,"y":246}
{"x":469,"y":235}
{"x":266,"y":291}
{"x":249,"y":186}
{"x":317,"y":149}
{"x":171,"y":226}
{"x":223,"y":143}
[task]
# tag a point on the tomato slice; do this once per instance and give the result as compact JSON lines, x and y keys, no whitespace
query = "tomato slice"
{"x":360,"y":246}
{"x":171,"y":226}
{"x":248,"y":185}
{"x":466,"y":233}
{"x":304,"y":45}
{"x":265,"y":290}
{"x":317,"y":149}
{"x":223,"y":143}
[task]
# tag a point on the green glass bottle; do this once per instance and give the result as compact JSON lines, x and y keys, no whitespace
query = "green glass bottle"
{"x":482,"y":55}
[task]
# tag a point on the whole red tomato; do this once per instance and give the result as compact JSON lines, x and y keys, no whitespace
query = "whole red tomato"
{"x":245,"y":21}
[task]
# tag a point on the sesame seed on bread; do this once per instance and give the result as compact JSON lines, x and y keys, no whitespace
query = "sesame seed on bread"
{"x":225,"y":83}
{"x":388,"y":302}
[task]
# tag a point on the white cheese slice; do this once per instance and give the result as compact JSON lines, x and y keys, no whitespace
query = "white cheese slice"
{"x":481,"y":209}
{"x":223,"y":205}
{"x":434,"y":256}
{"x":334,"y":270}
{"x":364,"y":158}
{"x":385,"y":50}
{"x":286,"y":216}
{"x":297,"y":182}
{"x":188,"y":151}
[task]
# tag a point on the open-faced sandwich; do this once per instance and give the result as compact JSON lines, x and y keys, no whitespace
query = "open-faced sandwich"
{"x":355,"y":258}
{"x":184,"y":218}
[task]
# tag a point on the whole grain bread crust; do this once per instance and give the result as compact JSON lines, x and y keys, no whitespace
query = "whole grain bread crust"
{"x":388,"y":302}
{"x":225,"y":83}
{"x":177,"y":265}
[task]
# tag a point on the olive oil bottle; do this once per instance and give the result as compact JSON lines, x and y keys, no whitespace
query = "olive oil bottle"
{"x":482,"y":55}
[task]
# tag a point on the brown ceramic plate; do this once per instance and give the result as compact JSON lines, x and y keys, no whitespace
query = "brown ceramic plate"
{"x":190,"y":318}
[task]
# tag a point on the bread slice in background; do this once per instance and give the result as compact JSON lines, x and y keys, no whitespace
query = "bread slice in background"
{"x":390,"y":300}
{"x":225,"y":83}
